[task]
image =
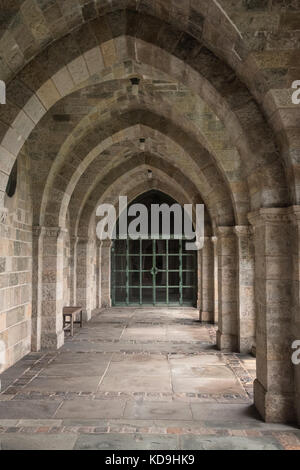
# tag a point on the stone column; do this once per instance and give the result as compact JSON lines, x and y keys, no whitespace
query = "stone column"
{"x":52,"y":243}
{"x":199,"y":285}
{"x":273,"y":388}
{"x":245,"y":289}
{"x":207,"y":304}
{"x":227,"y":280}
{"x":92,"y":260}
{"x":37,"y":260}
{"x":295,"y":219}
{"x":83,"y":277}
{"x":216,"y":285}
{"x":73,"y":269}
{"x":98,"y":273}
{"x":106,"y":273}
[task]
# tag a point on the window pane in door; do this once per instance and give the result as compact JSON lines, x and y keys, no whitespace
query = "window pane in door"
{"x":174,"y":295}
{"x":120,"y":294}
{"x":147,"y":296}
{"x":174,"y":278}
{"x":134,"y":295}
{"x":161,"y":295}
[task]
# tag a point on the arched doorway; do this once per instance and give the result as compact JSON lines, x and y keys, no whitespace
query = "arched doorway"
{"x":158,"y":272}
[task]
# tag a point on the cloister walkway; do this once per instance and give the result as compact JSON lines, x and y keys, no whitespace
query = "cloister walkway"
{"x":136,"y":378}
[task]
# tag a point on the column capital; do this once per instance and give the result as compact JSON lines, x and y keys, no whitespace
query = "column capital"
{"x":225,"y":232}
{"x":294,"y":213}
{"x":214,"y":240}
{"x":242,"y":230}
{"x":272,"y":215}
{"x":51,"y":232}
{"x":3,"y":215}
{"x":106,"y":243}
{"x":85,"y":240}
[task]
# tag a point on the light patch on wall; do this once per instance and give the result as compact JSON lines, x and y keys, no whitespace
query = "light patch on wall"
{"x":296,"y":354}
{"x":296,"y":94}
{"x":2,"y":358}
{"x":2,"y":92}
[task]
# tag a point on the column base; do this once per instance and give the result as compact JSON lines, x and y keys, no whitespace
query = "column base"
{"x":274,"y":407}
{"x":36,"y":334}
{"x":245,"y":345}
{"x":87,"y":315}
{"x":52,"y":341}
{"x":226,"y":342}
{"x":206,"y":317}
{"x":106,"y":304}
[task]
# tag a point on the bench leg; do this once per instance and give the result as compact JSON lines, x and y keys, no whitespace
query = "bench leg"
{"x":81,"y":319}
{"x":72,"y":326}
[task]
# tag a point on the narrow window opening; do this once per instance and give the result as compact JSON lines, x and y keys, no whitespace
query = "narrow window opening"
{"x":12,"y":181}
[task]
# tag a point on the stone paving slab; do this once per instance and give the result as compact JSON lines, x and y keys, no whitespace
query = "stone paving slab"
{"x":158,"y":410}
{"x":126,"y":442}
{"x":81,"y":369}
{"x":91,"y":409}
{"x":153,"y":383}
{"x":82,"y":358}
{"x":62,"y":384}
{"x":206,"y":385}
{"x":38,"y":442}
{"x":32,"y":410}
{"x":223,"y":413}
{"x":227,"y":443}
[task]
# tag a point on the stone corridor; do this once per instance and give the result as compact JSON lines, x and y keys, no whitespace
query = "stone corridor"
{"x":136,"y":379}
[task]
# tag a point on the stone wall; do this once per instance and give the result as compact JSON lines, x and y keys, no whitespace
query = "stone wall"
{"x":16,"y":270}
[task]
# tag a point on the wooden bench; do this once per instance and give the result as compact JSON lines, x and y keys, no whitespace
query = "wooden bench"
{"x":69,"y":318}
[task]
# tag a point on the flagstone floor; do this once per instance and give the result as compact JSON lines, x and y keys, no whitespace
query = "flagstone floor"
{"x":136,"y":379}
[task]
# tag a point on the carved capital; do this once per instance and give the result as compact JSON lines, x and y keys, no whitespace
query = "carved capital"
{"x":272,"y":215}
{"x":225,"y":232}
{"x":242,"y":231}
{"x":294,"y":213}
{"x":106,"y":244}
{"x":49,"y":232}
{"x":3,"y":215}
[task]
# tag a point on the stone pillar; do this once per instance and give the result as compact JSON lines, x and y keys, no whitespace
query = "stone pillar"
{"x":207,"y":304}
{"x":37,"y":259}
{"x":295,"y":219}
{"x":216,"y":285}
{"x":83,"y":277}
{"x":245,"y":289}
{"x":73,"y":269}
{"x":273,"y":388}
{"x":227,"y":280}
{"x":199,"y":285}
{"x":52,"y":243}
{"x":106,"y":273}
{"x":92,"y":262}
{"x":98,"y":273}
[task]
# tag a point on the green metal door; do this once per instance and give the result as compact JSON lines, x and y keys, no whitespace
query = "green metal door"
{"x":153,"y":272}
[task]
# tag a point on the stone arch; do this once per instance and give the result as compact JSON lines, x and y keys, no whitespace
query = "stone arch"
{"x":230,"y":167}
{"x":114,"y":179}
{"x":210,"y":176}
{"x":226,"y":213}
